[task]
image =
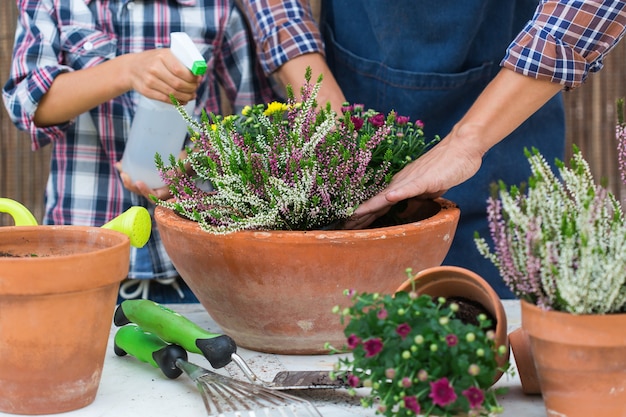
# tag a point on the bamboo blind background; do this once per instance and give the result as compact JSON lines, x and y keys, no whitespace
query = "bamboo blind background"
{"x":590,"y":112}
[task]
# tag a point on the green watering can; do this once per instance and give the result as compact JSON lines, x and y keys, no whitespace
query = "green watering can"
{"x":134,"y":222}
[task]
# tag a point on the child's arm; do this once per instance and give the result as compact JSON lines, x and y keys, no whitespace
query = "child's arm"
{"x":155,"y":74}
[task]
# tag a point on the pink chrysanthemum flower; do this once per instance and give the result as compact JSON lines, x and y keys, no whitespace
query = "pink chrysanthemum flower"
{"x":475,"y":396}
{"x":442,"y":392}
{"x":372,"y":347}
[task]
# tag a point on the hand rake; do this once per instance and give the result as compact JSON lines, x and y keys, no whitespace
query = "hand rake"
{"x":222,"y":396}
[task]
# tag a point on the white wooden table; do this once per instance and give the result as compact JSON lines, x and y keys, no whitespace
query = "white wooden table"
{"x":130,"y":388}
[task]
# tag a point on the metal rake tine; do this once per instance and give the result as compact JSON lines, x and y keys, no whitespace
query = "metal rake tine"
{"x":224,"y":396}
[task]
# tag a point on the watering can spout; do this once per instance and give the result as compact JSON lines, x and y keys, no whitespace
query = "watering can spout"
{"x":134,"y":222}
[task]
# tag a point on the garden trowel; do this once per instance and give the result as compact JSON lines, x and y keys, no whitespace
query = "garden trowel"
{"x":218,"y":349}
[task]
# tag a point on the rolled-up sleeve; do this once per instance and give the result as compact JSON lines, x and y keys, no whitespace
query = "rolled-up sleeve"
{"x":282,"y":30}
{"x":566,"y":40}
{"x":34,"y":67}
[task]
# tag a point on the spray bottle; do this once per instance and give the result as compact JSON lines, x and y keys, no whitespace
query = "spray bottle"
{"x":158,"y":127}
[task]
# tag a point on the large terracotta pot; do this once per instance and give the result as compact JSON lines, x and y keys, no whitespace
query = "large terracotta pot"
{"x":58,"y":289}
{"x":457,"y":282}
{"x":580,"y":361}
{"x":274,"y":291}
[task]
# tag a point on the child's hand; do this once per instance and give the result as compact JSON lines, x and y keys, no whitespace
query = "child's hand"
{"x":140,"y":187}
{"x":157,"y":73}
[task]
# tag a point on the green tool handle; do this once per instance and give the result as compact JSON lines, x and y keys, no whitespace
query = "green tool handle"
{"x":148,"y":348}
{"x":172,"y":327}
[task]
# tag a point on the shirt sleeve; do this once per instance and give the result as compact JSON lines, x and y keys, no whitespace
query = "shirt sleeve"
{"x":567,"y":39}
{"x":238,"y":69}
{"x":34,"y":67}
{"x":282,"y":30}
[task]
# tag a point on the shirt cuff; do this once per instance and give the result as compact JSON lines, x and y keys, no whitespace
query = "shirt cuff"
{"x":538,"y":54}
{"x":288,"y":40}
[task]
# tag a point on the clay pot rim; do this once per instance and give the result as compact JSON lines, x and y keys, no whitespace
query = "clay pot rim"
{"x":449,"y":211}
{"x":62,"y":272}
{"x":39,"y":232}
{"x":585,"y":329}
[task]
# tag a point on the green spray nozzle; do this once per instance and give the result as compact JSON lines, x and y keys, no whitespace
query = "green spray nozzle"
{"x":186,"y":51}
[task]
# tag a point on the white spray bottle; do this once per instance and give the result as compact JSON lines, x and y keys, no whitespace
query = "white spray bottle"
{"x":157,"y":126}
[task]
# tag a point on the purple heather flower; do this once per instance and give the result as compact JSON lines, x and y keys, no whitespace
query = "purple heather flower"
{"x":382,"y":314}
{"x":442,"y":392}
{"x":372,"y":347}
{"x":411,"y":403}
{"x":353,"y":341}
{"x":475,"y":396}
{"x":452,"y":339}
{"x":353,"y":381}
{"x":377,"y":120}
{"x":403,"y":330}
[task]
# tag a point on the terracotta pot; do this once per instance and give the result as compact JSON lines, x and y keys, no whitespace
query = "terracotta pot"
{"x":452,"y":281}
{"x":58,"y":289}
{"x":520,"y":345}
{"x":580,"y":361}
{"x":274,"y":291}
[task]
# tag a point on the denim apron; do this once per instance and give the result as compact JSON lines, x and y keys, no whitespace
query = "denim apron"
{"x":430,"y":60}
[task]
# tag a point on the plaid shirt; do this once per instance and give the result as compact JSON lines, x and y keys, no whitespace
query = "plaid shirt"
{"x":56,"y":36}
{"x":565,"y":41}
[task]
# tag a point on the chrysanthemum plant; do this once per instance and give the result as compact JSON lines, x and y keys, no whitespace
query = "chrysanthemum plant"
{"x":560,"y":241}
{"x":287,"y":166}
{"x":417,"y":357}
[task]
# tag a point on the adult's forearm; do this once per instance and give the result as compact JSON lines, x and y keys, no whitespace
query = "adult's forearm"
{"x":504,"y":105}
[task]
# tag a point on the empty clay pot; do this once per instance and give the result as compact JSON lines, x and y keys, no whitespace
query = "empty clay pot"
{"x":58,"y":289}
{"x":274,"y":291}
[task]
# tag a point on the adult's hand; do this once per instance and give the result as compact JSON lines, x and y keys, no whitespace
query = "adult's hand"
{"x":449,"y":163}
{"x":508,"y":100}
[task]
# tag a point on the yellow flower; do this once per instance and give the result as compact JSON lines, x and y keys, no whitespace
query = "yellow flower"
{"x":246,"y":110}
{"x":275,"y":107}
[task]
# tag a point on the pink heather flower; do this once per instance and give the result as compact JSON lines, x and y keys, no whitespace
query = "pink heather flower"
{"x":372,"y":347}
{"x":411,"y":403}
{"x":402,"y":120}
{"x":377,"y":120}
{"x":452,"y":339}
{"x":357,"y":122}
{"x":382,"y":314}
{"x":442,"y":392}
{"x":390,"y":373}
{"x":403,"y":330}
{"x":353,"y":341}
{"x":353,"y":381}
{"x":475,"y":396}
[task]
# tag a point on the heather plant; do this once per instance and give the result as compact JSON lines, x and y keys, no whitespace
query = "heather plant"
{"x":287,"y":166}
{"x":620,"y":135}
{"x":560,"y":243}
{"x":417,"y":357}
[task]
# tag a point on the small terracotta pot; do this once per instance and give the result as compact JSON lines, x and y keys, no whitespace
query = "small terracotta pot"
{"x":58,"y":289}
{"x":452,"y":281}
{"x":580,"y":361}
{"x":274,"y":291}
{"x":520,"y":345}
